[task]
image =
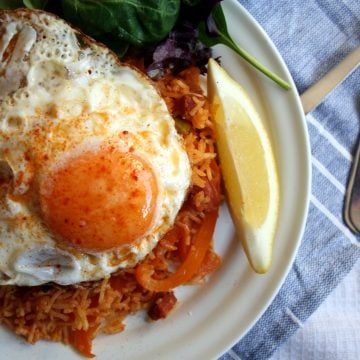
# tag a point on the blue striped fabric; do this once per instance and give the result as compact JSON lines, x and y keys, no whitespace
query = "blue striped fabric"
{"x":313,"y":36}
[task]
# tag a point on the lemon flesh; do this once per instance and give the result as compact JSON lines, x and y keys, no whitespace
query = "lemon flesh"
{"x":248,"y":166}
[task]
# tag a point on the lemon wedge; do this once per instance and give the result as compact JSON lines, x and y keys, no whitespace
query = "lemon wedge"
{"x":248,"y":166}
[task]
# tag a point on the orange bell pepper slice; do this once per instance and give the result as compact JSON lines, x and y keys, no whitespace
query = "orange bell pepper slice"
{"x":189,"y":267}
{"x":82,"y":341}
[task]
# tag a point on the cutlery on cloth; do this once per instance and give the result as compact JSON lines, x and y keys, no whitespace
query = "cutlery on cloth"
{"x":310,"y":99}
{"x":317,"y":92}
{"x":352,"y":198}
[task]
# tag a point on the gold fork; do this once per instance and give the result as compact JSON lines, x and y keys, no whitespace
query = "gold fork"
{"x":310,"y":99}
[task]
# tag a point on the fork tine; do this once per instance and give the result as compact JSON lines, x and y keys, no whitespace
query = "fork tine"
{"x":352,"y":198}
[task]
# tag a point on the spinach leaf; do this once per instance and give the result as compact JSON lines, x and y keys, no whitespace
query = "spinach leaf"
{"x":191,"y":2}
{"x":116,"y":45}
{"x":10,"y":4}
{"x":15,"y":4}
{"x":35,"y":4}
{"x":214,"y":31}
{"x":136,"y":22}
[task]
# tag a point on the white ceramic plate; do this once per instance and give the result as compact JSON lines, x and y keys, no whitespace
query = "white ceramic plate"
{"x":211,"y":318}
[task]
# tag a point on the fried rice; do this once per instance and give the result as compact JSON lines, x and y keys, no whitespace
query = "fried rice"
{"x":78,"y":313}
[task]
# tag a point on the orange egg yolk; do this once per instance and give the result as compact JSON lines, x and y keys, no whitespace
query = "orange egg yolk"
{"x":98,"y":201}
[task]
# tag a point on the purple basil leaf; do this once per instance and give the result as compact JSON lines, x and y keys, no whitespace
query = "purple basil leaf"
{"x":211,"y":27}
{"x":182,"y":47}
{"x":180,"y":50}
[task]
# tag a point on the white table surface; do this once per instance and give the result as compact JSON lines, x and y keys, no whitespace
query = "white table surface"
{"x":333,"y":331}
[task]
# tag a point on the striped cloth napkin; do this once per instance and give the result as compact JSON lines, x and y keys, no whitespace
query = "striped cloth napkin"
{"x":313,"y":36}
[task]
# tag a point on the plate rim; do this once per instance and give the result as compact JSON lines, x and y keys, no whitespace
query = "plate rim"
{"x":284,"y":71}
{"x":229,"y":341}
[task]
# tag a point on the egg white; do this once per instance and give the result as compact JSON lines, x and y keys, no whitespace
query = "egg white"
{"x":60,"y":92}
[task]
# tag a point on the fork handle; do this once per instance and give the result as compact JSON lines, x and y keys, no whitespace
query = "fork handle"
{"x":317,"y":92}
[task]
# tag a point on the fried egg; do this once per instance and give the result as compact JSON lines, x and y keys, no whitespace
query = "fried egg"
{"x":92,"y":170}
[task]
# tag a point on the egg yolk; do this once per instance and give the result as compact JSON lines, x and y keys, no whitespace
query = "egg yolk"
{"x":98,"y":201}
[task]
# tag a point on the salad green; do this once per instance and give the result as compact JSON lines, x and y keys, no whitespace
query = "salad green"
{"x":215,"y":31}
{"x":136,"y":22}
{"x":175,"y":33}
